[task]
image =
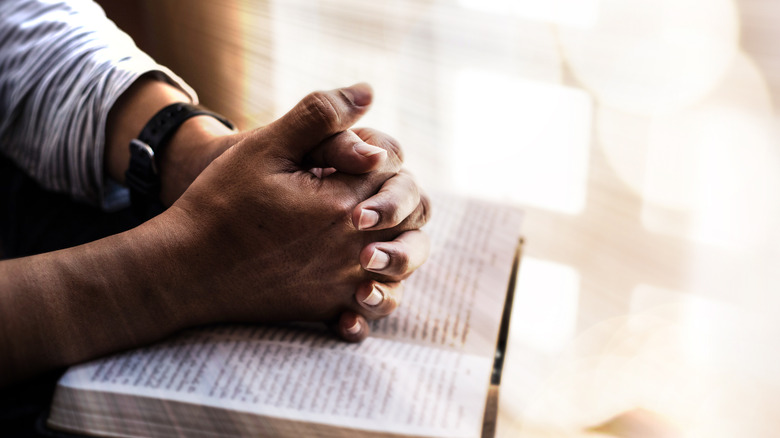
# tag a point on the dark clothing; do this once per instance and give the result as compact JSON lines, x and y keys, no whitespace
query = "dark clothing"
{"x":33,"y":221}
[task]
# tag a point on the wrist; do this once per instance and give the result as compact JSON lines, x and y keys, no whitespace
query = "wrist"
{"x":194,"y":144}
{"x":197,"y":142}
{"x":166,"y":254}
{"x":129,"y":115}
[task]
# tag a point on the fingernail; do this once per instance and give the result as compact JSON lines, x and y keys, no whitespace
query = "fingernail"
{"x":379,"y":260}
{"x":367,"y":150}
{"x":359,"y":94}
{"x":368,"y":218}
{"x":374,"y":298}
{"x":355,"y":329}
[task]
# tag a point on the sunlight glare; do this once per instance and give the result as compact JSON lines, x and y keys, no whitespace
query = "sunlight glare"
{"x":520,"y":141}
{"x":648,"y":57}
{"x":544,"y":311}
{"x":711,"y":175}
{"x":578,"y":13}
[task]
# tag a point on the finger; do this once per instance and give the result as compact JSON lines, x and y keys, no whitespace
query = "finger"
{"x":370,"y":181}
{"x":352,"y":327}
{"x":321,"y":172}
{"x":398,"y":199}
{"x":378,"y":138}
{"x":348,"y":153}
{"x":379,"y":299}
{"x":318,"y":116}
{"x":399,"y":258}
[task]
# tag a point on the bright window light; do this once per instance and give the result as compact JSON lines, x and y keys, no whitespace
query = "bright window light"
{"x":653,"y":56}
{"x":544,"y":311}
{"x":520,"y":141}
{"x":579,"y":13}
{"x":712,"y":172}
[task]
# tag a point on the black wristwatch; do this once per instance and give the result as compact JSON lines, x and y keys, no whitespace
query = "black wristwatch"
{"x":143,"y":175}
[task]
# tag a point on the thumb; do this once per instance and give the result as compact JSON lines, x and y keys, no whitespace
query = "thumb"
{"x":317,"y":117}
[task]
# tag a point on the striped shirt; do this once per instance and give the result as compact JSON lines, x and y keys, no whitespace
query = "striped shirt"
{"x":62,"y":67}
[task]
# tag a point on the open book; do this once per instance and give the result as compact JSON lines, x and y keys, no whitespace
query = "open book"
{"x":425,"y":370}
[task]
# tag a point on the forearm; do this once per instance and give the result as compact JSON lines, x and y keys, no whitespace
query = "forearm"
{"x":72,"y":305}
{"x":255,"y":238}
{"x":62,"y":67}
{"x":194,"y":145}
{"x":68,"y":306}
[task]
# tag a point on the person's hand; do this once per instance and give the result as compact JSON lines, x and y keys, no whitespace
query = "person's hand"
{"x":257,"y":237}
{"x":398,"y":199}
{"x":201,"y":139}
{"x":276,"y":242}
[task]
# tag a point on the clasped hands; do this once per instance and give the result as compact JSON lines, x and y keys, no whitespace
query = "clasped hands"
{"x":303,"y":219}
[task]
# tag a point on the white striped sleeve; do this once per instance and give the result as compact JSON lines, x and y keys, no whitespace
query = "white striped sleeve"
{"x":62,"y":67}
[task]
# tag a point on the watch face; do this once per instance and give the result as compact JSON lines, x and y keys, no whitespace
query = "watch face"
{"x":142,"y":177}
{"x":141,"y":152}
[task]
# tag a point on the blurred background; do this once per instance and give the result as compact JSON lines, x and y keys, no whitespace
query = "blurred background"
{"x":640,"y":137}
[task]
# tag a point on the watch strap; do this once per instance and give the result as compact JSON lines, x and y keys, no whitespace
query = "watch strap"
{"x":143,"y":176}
{"x":164,"y":124}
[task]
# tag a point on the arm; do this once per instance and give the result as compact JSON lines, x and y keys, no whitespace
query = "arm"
{"x":63,"y":66}
{"x":243,"y":243}
{"x":64,"y":307}
{"x":201,"y":139}
{"x":59,"y":308}
{"x":195,"y":144}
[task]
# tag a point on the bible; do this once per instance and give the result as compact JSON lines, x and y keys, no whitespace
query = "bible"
{"x":425,"y":371}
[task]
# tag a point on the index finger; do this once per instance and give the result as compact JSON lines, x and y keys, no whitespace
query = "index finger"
{"x":398,"y":200}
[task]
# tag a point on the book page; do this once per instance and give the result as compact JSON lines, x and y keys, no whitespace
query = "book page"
{"x":424,"y":372}
{"x":456,"y":299}
{"x":298,"y":374}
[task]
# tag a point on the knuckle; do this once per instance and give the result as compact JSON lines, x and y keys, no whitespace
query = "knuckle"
{"x":390,"y":300}
{"x":328,"y":153}
{"x":320,"y":108}
{"x":394,"y":217}
{"x":390,"y":214}
{"x":343,"y":209}
{"x":400,"y":202}
{"x":400,"y":261}
{"x":389,"y":305}
{"x":395,"y":297}
{"x":345,"y":96}
{"x":413,"y":194}
{"x":338,"y":209}
{"x":379,"y":138}
{"x":425,"y":208}
{"x":420,"y":216}
{"x":392,"y":145}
